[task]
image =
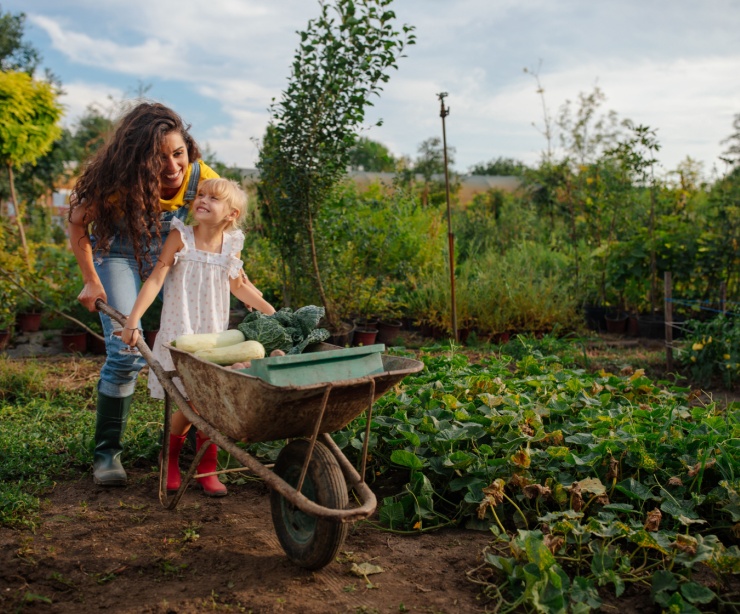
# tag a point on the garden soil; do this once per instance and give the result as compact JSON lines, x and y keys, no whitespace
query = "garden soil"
{"x":119,"y":550}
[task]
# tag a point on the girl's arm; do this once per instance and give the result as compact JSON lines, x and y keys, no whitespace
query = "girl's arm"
{"x":250,"y":296}
{"x":79,"y":241}
{"x":151,"y":287}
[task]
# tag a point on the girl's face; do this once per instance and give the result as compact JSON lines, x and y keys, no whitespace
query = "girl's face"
{"x":174,"y":164}
{"x":210,"y":209}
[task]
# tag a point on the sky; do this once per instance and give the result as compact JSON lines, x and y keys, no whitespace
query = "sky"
{"x":673,"y":65}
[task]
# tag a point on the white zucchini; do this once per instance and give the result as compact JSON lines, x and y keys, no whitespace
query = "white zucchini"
{"x":230,"y":354}
{"x":207,"y":341}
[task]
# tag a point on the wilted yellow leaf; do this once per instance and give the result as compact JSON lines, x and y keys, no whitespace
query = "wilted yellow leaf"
{"x":521,"y":458}
{"x":365,"y":569}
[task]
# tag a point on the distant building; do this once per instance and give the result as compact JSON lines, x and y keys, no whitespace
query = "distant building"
{"x":470,"y":185}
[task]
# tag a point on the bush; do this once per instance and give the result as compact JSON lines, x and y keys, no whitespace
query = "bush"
{"x":712,"y":351}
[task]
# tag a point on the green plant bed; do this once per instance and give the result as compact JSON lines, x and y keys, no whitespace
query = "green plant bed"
{"x":526,"y":443}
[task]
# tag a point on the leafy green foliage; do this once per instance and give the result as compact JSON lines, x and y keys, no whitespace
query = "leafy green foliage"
{"x":585,"y":480}
{"x":29,"y":113}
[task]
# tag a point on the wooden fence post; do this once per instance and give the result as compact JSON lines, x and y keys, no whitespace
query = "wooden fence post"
{"x":668,"y":310}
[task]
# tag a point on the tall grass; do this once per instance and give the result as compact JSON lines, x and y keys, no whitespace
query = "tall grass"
{"x":48,"y":418}
{"x":529,"y":288}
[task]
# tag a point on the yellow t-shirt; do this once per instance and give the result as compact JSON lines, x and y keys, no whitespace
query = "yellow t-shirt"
{"x":178,"y":200}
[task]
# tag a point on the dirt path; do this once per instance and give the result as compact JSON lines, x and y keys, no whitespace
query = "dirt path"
{"x":119,"y":550}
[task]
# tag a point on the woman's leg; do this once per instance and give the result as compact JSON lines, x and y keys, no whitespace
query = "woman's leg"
{"x":120,"y":278}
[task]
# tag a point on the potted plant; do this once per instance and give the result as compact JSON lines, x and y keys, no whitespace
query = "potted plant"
{"x":95,"y":340}
{"x":389,"y":328}
{"x":74,"y":337}
{"x":28,"y":315}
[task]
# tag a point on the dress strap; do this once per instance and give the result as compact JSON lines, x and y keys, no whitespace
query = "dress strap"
{"x":186,"y":232}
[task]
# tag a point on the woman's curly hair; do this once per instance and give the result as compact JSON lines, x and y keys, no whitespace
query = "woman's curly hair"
{"x":119,"y":186}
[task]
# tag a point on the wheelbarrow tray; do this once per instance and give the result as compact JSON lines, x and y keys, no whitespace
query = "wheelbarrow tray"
{"x":247,"y":408}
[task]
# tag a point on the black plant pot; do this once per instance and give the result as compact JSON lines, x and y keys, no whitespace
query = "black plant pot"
{"x":651,"y":326}
{"x":595,"y":316}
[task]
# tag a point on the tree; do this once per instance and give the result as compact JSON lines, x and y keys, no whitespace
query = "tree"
{"x":584,"y":135}
{"x":15,"y":55}
{"x":342,"y":61}
{"x":502,"y":167}
{"x":731,"y":155}
{"x":29,"y":112}
{"x":371,"y":156}
{"x":430,"y":164}
{"x":91,"y":132}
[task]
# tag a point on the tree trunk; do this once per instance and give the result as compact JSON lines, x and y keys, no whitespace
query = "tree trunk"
{"x":18,"y":214}
{"x":330,"y":318}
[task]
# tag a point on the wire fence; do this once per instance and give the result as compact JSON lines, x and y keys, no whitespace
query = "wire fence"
{"x":718,"y":307}
{"x":705,"y":305}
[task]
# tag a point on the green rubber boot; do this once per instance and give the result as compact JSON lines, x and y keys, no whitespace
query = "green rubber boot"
{"x":112,"y":415}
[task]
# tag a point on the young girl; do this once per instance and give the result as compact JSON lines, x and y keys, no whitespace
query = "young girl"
{"x":199,"y":266}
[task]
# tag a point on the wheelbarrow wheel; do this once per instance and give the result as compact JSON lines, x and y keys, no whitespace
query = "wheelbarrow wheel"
{"x":308,"y":541}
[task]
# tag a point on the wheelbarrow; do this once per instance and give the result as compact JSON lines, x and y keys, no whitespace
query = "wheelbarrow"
{"x":301,"y":399}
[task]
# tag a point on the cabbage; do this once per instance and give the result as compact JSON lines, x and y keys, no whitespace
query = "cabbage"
{"x":285,"y":330}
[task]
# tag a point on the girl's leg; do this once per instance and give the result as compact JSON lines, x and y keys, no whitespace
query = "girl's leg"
{"x":180,"y":424}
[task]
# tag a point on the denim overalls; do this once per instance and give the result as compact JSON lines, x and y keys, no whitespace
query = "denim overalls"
{"x":119,"y":274}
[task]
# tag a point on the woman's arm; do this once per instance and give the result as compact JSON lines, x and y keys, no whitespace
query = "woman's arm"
{"x":151,"y":287}
{"x":79,"y":240}
{"x":246,"y":292}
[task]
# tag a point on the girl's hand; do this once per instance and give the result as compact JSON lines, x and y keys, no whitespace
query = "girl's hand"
{"x":91,"y":292}
{"x":130,"y":335}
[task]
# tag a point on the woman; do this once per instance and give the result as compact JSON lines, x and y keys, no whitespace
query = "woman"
{"x":119,"y":217}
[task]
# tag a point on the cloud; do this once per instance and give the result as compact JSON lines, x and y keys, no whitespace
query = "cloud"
{"x":222,"y":64}
{"x":78,"y":96}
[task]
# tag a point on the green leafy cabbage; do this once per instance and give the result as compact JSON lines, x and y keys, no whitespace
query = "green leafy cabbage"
{"x":286,"y":330}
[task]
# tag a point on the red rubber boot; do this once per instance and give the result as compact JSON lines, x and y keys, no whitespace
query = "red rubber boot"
{"x":173,"y":463}
{"x":211,"y":485}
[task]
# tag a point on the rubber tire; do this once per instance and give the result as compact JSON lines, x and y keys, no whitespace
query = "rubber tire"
{"x":310,"y":542}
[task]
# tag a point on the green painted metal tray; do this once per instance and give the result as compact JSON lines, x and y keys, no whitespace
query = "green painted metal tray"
{"x":319,"y":367}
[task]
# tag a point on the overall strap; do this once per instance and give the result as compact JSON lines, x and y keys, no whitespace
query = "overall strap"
{"x":192,"y":189}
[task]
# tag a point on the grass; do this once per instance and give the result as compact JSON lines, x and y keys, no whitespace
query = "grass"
{"x":48,"y":414}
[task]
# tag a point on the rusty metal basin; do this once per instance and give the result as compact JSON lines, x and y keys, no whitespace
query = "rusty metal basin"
{"x":244,"y":407}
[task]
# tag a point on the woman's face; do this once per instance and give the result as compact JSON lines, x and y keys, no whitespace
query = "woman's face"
{"x":174,"y":164}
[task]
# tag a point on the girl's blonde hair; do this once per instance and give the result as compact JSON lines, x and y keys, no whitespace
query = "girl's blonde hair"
{"x":231,"y":193}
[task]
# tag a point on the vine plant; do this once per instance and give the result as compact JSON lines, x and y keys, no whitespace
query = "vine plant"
{"x":589,"y":483}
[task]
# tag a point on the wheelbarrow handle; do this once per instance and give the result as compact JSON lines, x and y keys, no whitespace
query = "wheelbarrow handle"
{"x":101,"y":305}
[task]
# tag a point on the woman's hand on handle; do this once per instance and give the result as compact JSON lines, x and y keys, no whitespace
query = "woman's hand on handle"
{"x":91,"y":292}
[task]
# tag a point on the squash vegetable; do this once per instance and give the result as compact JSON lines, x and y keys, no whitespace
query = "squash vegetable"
{"x":206,"y":341}
{"x":230,"y":354}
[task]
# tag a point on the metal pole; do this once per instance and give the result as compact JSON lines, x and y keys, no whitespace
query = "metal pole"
{"x":668,"y":310}
{"x":444,"y":112}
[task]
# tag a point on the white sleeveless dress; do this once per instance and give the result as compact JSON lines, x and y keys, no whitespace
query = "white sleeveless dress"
{"x":196,"y":294}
